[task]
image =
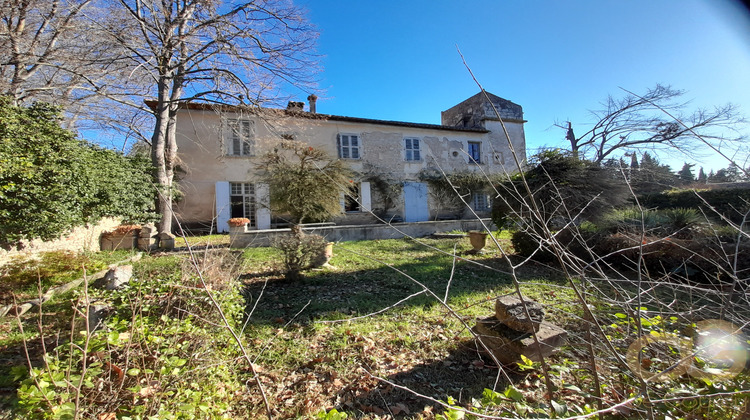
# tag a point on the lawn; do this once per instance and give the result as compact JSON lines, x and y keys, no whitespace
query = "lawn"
{"x":331,"y":334}
{"x":382,"y":333}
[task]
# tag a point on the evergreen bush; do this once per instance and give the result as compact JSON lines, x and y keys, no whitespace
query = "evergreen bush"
{"x":51,"y":182}
{"x":732,"y":203}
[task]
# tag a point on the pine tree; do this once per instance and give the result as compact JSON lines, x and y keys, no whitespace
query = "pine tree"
{"x":686,"y":173}
{"x":653,"y":177}
{"x":702,"y":178}
{"x":634,"y":162}
{"x":733,"y":173}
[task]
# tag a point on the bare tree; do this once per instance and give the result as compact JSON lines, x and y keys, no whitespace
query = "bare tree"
{"x":34,"y":37}
{"x":50,"y":52}
{"x":212,"y":51}
{"x":637,"y":122}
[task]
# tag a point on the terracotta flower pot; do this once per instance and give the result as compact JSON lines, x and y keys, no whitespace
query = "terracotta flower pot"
{"x":478,"y":241}
{"x":325,"y":256}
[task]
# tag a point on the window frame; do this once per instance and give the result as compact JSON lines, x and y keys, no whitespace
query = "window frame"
{"x":239,"y":133}
{"x":248,"y":193}
{"x":474,"y":157}
{"x":411,"y":153}
{"x":349,"y":150}
{"x":478,"y":198}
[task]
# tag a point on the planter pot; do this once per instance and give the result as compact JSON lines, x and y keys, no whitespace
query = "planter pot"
{"x":328,"y":252}
{"x":325,"y":256}
{"x":112,"y":241}
{"x":478,"y":241}
{"x":235,"y":232}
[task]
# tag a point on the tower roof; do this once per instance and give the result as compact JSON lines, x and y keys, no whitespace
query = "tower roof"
{"x":473,"y":111}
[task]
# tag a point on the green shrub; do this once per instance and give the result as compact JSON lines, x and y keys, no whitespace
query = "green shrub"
{"x":300,"y":251}
{"x":573,"y":241}
{"x":163,"y":353}
{"x":680,"y":218}
{"x":732,"y":203}
{"x":51,"y":182}
{"x":679,"y":222}
{"x":562,"y":187}
{"x":527,"y":244}
{"x":524,"y":243}
{"x":631,"y":219}
{"x":305,"y":182}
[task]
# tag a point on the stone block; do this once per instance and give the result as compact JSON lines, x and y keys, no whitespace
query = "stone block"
{"x":148,"y":231}
{"x":507,"y":344}
{"x":148,"y":243}
{"x":115,"y":278}
{"x":510,"y":311}
{"x":166,"y":240}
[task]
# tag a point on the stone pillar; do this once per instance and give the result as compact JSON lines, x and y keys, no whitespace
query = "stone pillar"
{"x":147,"y":239}
{"x":166,"y":240}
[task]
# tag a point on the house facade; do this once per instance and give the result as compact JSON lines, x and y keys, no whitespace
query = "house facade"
{"x":220,"y":147}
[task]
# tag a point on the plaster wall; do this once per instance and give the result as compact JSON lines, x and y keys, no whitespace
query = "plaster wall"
{"x":203,"y":158}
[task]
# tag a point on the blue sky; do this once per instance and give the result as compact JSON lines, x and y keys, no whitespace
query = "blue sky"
{"x":397,"y":60}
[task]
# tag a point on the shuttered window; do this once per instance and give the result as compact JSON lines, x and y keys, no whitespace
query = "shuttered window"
{"x":475,"y":151}
{"x":348,"y":145}
{"x":239,"y":137}
{"x":411,"y":149}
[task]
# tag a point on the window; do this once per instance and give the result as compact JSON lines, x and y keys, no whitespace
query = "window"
{"x":358,"y":200}
{"x":348,"y":145}
{"x":242,"y":199}
{"x":351,"y":201}
{"x":239,"y":137}
{"x":411,"y":149}
{"x":480,"y":201}
{"x":475,"y":151}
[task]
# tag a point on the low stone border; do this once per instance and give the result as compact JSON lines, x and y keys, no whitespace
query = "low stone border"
{"x":449,"y":235}
{"x":18,"y":310}
{"x":343,"y":233}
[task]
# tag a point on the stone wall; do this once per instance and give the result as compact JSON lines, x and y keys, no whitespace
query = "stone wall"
{"x":256,"y":238}
{"x":82,"y":238}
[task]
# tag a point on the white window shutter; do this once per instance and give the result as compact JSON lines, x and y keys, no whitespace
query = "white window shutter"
{"x":223,"y":206}
{"x":224,"y":137}
{"x":364,"y":197}
{"x":342,"y":202}
{"x":263,"y":200}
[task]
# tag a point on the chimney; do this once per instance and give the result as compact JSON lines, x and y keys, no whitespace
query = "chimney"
{"x":312,"y":98}
{"x":295,"y":106}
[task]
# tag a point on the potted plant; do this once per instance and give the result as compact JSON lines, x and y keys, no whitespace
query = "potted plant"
{"x":122,"y":237}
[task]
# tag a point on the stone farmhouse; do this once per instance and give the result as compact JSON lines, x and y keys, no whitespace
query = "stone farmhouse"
{"x":219,"y":147}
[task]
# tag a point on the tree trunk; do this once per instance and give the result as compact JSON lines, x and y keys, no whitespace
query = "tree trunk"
{"x":571,"y":137}
{"x":160,"y":151}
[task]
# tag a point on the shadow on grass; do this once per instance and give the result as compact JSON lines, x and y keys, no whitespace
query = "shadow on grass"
{"x":461,"y":375}
{"x":335,"y":294}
